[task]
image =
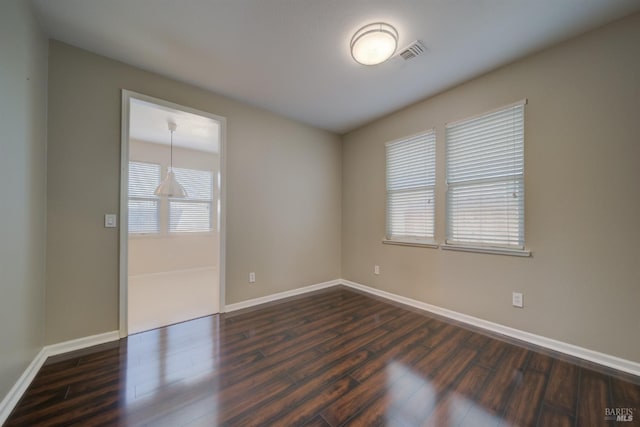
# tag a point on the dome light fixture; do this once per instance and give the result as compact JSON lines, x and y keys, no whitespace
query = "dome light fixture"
{"x":374,"y":43}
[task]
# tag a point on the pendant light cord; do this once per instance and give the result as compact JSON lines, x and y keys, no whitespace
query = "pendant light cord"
{"x":171,"y":156}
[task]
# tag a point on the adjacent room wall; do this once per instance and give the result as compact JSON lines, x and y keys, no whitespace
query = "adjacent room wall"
{"x":161,"y":253}
{"x":582,"y":154}
{"x":23,"y":101}
{"x":283,"y":192}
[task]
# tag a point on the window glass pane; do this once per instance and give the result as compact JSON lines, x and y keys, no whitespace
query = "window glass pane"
{"x":144,"y":178}
{"x":143,"y":216}
{"x":411,"y":213}
{"x":189,"y":216}
{"x":410,"y":187}
{"x":485,"y":178}
{"x":487,"y":213}
{"x":197,"y":183}
{"x":193,"y":213}
{"x":143,"y":204}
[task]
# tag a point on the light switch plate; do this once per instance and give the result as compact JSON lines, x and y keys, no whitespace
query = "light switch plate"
{"x":517,"y":300}
{"x":110,"y":220}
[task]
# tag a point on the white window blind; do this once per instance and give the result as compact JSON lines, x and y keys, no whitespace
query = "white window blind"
{"x":193,"y":213}
{"x":485,"y":180}
{"x":411,"y":176}
{"x":144,"y":206}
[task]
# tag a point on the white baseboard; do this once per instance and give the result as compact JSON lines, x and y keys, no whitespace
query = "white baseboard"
{"x":280,"y":295}
{"x":13,"y":396}
{"x":562,"y":347}
{"x":80,"y":343}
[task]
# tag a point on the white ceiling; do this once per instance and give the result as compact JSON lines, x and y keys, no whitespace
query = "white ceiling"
{"x":150,"y":122}
{"x":292,"y":56}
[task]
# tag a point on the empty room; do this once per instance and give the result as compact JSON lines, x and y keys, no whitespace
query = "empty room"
{"x":320,"y":213}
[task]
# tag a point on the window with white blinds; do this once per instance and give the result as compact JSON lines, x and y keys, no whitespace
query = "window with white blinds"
{"x":193,"y":213}
{"x":144,"y":206}
{"x":485,"y":180}
{"x":411,"y":176}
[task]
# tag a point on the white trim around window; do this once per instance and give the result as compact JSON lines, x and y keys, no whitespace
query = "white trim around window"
{"x":485,"y":182}
{"x":410,"y":188}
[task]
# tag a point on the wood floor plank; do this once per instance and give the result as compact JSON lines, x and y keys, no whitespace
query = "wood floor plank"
{"x":302,"y":414}
{"x":287,"y":401}
{"x":277,"y":365}
{"x":625,"y":394}
{"x":439,"y":355}
{"x":491,"y":353}
{"x":477,"y":341}
{"x":594,"y":398}
{"x":498,"y":388}
{"x":540,"y":362}
{"x":334,"y":357}
{"x":450,"y":410}
{"x":471,"y":381}
{"x":373,"y":385}
{"x":551,"y":417}
{"x":453,"y":368}
{"x":406,"y":317}
{"x":562,"y":390}
{"x":401,"y":346}
{"x":317,"y":421}
{"x":414,"y":327}
{"x":526,"y":400}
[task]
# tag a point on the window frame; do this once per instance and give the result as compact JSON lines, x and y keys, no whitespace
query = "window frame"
{"x":429,"y":241}
{"x":486,"y":247}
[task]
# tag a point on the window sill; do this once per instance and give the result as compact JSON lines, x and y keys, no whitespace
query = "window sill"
{"x":165,"y":235}
{"x":487,"y":250}
{"x":411,"y":243}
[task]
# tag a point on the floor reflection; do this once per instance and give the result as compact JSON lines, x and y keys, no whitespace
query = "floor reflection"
{"x":413,"y":400}
{"x":178,"y":364}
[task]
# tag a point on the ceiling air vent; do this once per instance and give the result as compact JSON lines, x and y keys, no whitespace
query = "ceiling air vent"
{"x":414,"y":49}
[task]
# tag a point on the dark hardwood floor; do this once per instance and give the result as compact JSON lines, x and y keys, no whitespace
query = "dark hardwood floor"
{"x":332,"y":358}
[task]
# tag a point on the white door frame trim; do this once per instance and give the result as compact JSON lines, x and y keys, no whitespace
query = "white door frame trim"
{"x":127,"y":95}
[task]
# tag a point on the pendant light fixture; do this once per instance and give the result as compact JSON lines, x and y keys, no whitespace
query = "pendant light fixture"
{"x":170,"y":187}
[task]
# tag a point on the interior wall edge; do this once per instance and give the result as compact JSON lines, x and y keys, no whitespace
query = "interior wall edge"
{"x":23,"y":118}
{"x":14,"y":395}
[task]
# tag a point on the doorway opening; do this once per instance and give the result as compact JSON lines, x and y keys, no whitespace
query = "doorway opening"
{"x":172,"y":214}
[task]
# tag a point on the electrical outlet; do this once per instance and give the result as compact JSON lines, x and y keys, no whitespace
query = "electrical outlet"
{"x":252,"y":277}
{"x":517,"y":300}
{"x":376,"y":269}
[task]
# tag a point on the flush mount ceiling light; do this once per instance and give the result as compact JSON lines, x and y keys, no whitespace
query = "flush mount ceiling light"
{"x":374,"y":43}
{"x":170,"y":187}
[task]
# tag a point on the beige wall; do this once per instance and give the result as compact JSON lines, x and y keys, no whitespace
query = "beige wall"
{"x":283,"y":193}
{"x":284,"y":185}
{"x":149,"y":254}
{"x":23,"y":92}
{"x":582,"y":155}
